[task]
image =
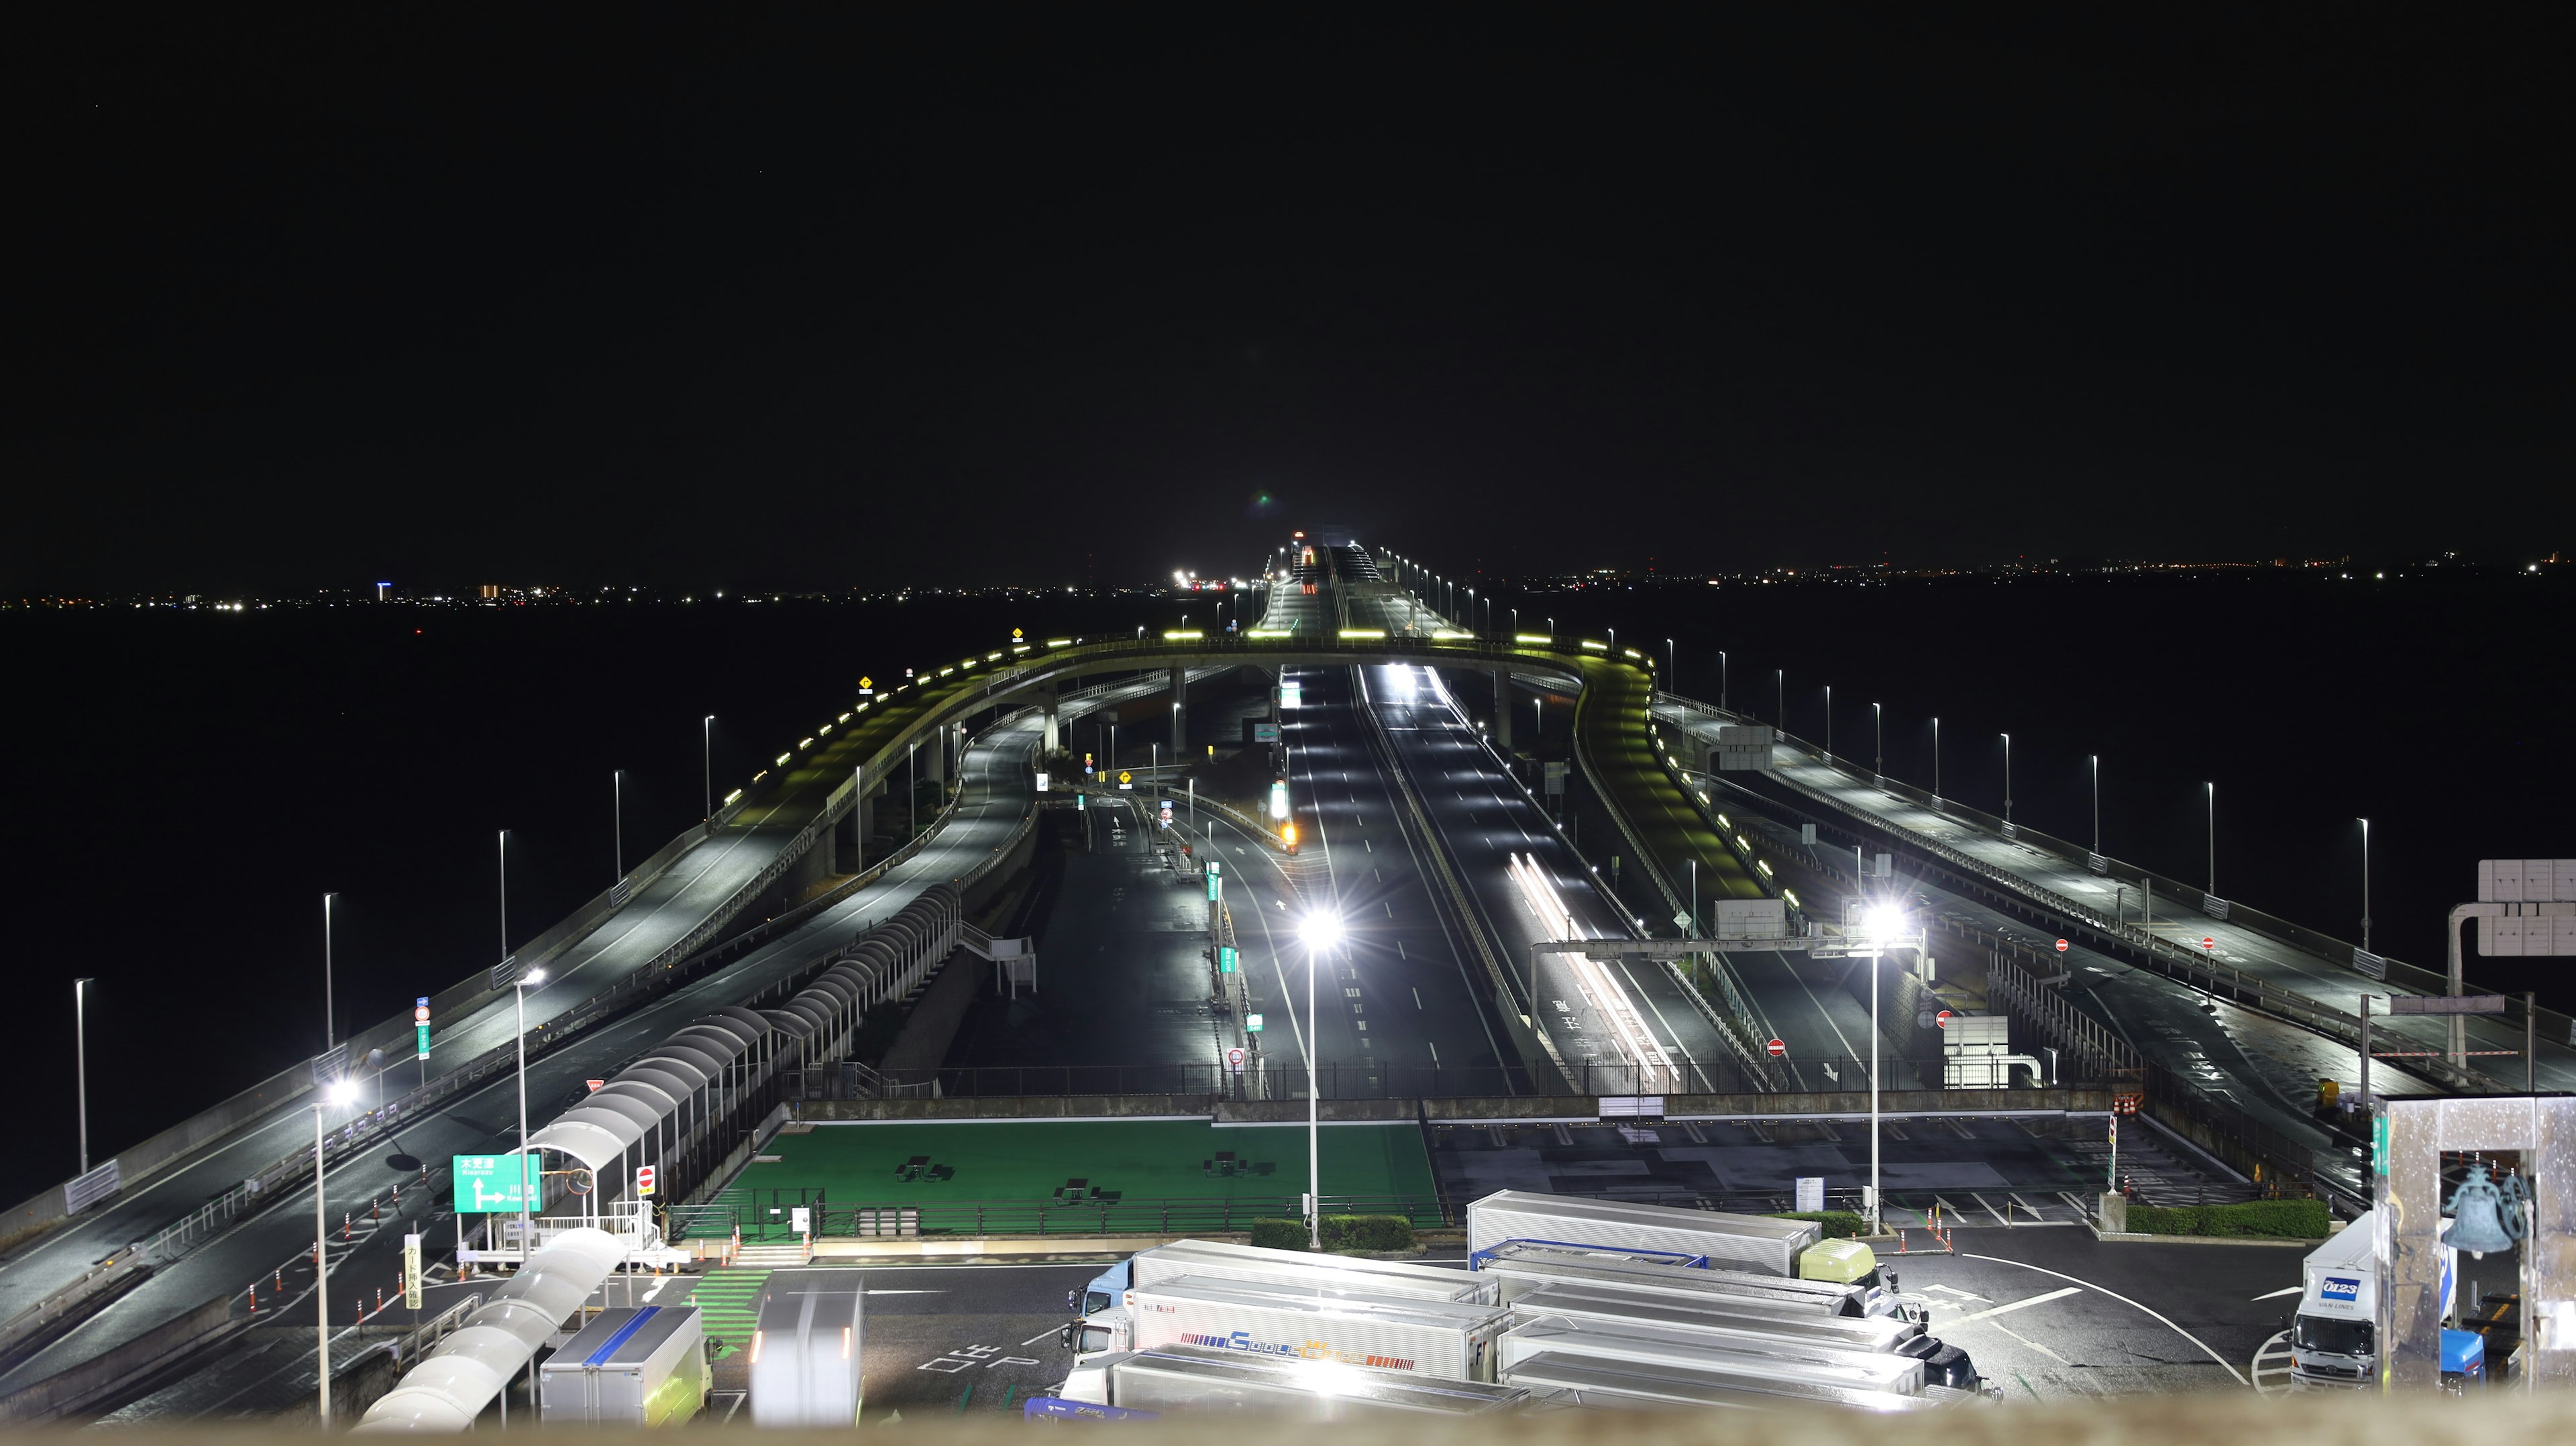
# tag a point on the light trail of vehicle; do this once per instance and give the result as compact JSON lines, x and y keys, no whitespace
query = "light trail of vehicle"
{"x":1655,"y":1072}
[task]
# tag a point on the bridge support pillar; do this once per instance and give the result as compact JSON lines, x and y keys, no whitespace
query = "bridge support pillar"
{"x":1180,"y":712}
{"x":934,"y":756}
{"x":1503,"y":710}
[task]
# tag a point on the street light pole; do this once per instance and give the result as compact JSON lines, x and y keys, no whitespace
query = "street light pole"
{"x":2007,"y":778}
{"x":1829,"y":723}
{"x":1878,"y":735}
{"x":527,"y":1207}
{"x":340,"y":1091}
{"x":330,"y":1010}
{"x":80,"y":1060}
{"x":1936,"y":760}
{"x":1780,"y":688}
{"x":1672,"y":668}
{"x":1721,"y":680}
{"x":707,"y":755}
{"x":617,"y":812}
{"x":2213,"y":838}
{"x":2097,"y":803}
{"x":2365,"y":883}
{"x":505,"y":895}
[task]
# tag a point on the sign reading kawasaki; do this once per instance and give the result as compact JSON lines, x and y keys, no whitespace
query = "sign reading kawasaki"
{"x":484,"y":1187}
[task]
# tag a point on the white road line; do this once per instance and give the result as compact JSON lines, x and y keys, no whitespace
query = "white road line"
{"x":1058,"y":1332}
{"x":2277,"y":1294}
{"x":2124,"y":1300}
{"x":2034,"y":1345}
{"x":2012,"y":1305}
{"x":1990,"y":1210}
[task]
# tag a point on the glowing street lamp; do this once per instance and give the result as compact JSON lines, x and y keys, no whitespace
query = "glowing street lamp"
{"x":338,"y":1092}
{"x":1321,"y":930}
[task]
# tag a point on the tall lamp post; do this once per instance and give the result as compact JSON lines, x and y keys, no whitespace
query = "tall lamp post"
{"x":1878,"y":744}
{"x":1936,"y":759}
{"x":1321,"y":930}
{"x":2007,"y":778}
{"x":80,"y":1060}
{"x":527,"y":1206}
{"x":2096,"y":760}
{"x":339,"y":1092}
{"x":2365,"y":895}
{"x":707,"y":758}
{"x":617,"y":817}
{"x":330,"y":1013}
{"x":1721,"y":680}
{"x":1885,"y":924}
{"x":2212,"y":790}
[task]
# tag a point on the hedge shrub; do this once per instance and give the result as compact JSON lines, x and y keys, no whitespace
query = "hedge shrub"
{"x":1279,"y":1234}
{"x":1839,"y":1224}
{"x":2277,"y":1219}
{"x":1367,"y":1232}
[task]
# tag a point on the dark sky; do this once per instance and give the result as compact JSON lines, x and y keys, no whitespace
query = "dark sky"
{"x":753,"y":295}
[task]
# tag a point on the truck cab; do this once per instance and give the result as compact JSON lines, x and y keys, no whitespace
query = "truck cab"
{"x":1100,"y":1323}
{"x":1848,"y":1262}
{"x":2334,"y":1338}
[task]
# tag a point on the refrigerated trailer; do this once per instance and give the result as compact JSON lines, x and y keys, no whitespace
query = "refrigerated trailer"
{"x":1761,"y":1244}
{"x":1104,"y":1323}
{"x":1434,"y":1337}
{"x":631,"y":1366}
{"x":1776,"y":1364}
{"x":1195,"y":1379}
{"x":1617,"y":1308}
{"x":806,"y":1348}
{"x":1520,"y":1265}
{"x":1598,"y":1382}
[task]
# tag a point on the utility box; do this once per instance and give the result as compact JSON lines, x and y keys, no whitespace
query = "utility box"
{"x":1751,"y":918}
{"x":1742,"y":748}
{"x":631,"y":1366}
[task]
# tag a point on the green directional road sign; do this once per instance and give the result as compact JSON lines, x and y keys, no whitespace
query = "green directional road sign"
{"x":1226,"y":960}
{"x":483,"y":1185}
{"x":422,"y":1041}
{"x":1252,"y":1024}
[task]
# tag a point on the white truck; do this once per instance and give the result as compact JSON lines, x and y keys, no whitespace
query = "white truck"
{"x":1194,"y":1379}
{"x":1615,"y":1308}
{"x":1537,"y":1354}
{"x":1760,"y":1244}
{"x":1521,"y":1265}
{"x":808,"y":1344}
{"x":1454,"y":1339}
{"x":1101,"y":1319}
{"x":2334,"y":1336}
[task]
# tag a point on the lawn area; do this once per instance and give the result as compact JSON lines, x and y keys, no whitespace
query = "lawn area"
{"x":1137,"y":1173}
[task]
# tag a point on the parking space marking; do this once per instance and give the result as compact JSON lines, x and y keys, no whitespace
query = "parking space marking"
{"x":2223,"y":1363}
{"x":2023,"y":1303}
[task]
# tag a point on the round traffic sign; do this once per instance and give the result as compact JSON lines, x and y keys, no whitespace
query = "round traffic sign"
{"x":1778,"y":1049}
{"x":420,"y":1014}
{"x":2207,"y":942}
{"x":2061,"y":946}
{"x":1943,"y":1019}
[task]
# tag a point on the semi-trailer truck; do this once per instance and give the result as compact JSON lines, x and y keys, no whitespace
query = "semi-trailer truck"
{"x":1395,"y":1333}
{"x":1188,"y":1380}
{"x":1520,"y":1265}
{"x":2334,"y":1336}
{"x":1761,"y":1244}
{"x":808,"y":1343}
{"x":1101,"y":1320}
{"x":1777,"y":1361}
{"x":1616,"y":1308}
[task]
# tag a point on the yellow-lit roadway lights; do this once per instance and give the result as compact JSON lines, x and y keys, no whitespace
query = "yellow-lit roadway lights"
{"x":338,"y":1092}
{"x":1321,"y":929}
{"x":1882,"y":925}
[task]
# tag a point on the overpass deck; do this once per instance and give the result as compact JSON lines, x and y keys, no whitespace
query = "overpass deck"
{"x":2059,"y":877}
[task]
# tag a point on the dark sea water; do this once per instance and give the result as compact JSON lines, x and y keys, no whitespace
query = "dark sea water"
{"x":187,"y":785}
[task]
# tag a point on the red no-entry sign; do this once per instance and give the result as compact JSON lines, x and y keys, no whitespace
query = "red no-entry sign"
{"x":2207,"y":942}
{"x":1942,"y":1019}
{"x":1778,"y":1049}
{"x":2061,"y":946}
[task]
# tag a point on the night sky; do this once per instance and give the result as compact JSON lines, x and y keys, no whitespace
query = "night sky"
{"x":313,"y":297}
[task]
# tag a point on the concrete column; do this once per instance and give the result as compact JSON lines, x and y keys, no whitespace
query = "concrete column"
{"x":934,"y":756}
{"x":1503,"y":709}
{"x":1047,"y":701}
{"x":1180,"y":712}
{"x":866,"y":812}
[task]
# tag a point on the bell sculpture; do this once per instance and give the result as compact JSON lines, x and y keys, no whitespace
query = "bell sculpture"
{"x":2487,"y":1216}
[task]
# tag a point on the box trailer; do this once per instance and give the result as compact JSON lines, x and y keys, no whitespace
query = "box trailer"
{"x":631,"y":1366}
{"x":807,"y":1345}
{"x":1519,"y":1265}
{"x":1775,"y":1363}
{"x":1592,"y":1381}
{"x":1761,"y":1244}
{"x":1617,"y":1308}
{"x":1102,"y":1323}
{"x":1183,"y":1380}
{"x":1396,"y":1333}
